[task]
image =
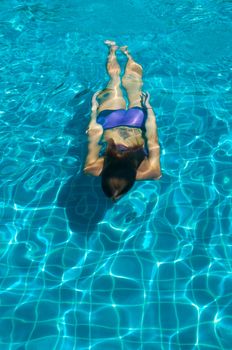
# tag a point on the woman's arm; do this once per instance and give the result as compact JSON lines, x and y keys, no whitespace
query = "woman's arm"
{"x":150,"y":168}
{"x":152,"y":142}
{"x":94,"y":164}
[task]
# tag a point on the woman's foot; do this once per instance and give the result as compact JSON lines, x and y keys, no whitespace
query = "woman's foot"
{"x":124,"y":49}
{"x":111,"y":44}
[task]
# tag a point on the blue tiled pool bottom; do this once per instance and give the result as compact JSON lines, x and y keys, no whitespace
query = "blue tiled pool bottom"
{"x":144,"y":286}
{"x":153,"y":271}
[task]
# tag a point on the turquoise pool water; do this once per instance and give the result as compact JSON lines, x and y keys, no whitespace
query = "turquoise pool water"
{"x":153,"y":271}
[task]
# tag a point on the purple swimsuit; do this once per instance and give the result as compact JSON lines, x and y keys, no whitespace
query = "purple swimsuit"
{"x":132,"y":117}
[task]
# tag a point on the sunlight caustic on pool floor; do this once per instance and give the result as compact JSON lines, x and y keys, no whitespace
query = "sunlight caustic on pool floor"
{"x":153,"y":271}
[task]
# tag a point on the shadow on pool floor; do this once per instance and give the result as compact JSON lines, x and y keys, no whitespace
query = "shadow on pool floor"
{"x":82,"y":195}
{"x":84,"y":201}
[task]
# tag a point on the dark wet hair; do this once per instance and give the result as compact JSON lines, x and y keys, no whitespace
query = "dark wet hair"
{"x":119,"y":169}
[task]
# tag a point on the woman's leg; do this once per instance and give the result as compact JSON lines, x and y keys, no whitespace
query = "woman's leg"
{"x":112,"y":97}
{"x":132,"y":80}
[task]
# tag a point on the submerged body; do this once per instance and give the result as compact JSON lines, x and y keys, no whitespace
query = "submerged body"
{"x":130,"y":134}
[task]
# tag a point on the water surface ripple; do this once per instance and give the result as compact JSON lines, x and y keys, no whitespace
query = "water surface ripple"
{"x":153,"y":271}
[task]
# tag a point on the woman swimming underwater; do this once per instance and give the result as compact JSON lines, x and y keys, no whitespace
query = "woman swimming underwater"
{"x":133,"y":151}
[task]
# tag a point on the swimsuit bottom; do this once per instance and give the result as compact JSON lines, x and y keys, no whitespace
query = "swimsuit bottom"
{"x":132,"y":117}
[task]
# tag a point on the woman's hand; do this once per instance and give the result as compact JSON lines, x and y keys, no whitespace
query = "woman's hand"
{"x":95,"y":104}
{"x":145,"y":100}
{"x":94,"y":130}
